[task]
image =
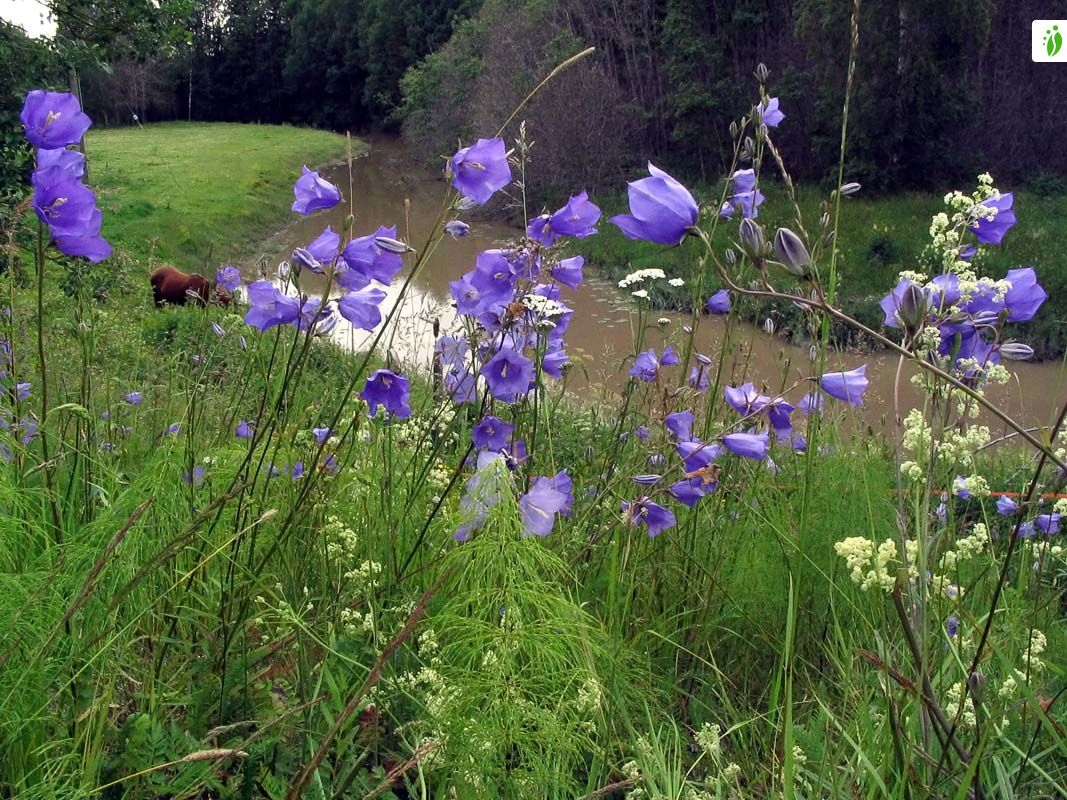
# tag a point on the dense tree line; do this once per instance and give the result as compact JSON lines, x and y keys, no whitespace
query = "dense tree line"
{"x":942,"y":88}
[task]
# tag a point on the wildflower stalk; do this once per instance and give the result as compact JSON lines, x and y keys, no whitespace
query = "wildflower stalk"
{"x":47,"y":466}
{"x":822,"y":304}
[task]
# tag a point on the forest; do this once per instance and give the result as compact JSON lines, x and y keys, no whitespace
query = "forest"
{"x":937,"y":93}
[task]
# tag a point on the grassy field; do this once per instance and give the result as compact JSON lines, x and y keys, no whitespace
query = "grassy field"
{"x":193,"y":613}
{"x":879,"y":237}
{"x":193,"y":194}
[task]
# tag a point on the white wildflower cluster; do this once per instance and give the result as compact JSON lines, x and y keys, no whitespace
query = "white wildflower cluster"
{"x":977,"y":485}
{"x":913,"y":276}
{"x":341,"y":541}
{"x":421,"y":427}
{"x":1061,"y":441}
{"x":544,"y":307}
{"x":918,"y":442}
{"x":590,"y":695}
{"x":869,"y":563}
{"x":641,"y":276}
{"x":676,"y":282}
{"x":709,"y":738}
{"x":640,"y":294}
{"x":958,"y":708}
{"x":959,"y":446}
{"x":966,"y":547}
{"x":365,"y":574}
{"x":1038,"y":644}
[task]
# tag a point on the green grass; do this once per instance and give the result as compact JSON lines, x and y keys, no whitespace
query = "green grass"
{"x":279,"y":618}
{"x":879,"y":237}
{"x":195,"y":195}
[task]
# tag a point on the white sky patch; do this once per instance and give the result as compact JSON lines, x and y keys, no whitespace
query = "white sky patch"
{"x":32,"y":16}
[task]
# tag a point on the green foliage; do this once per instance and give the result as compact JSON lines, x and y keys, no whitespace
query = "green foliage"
{"x":241,"y":623}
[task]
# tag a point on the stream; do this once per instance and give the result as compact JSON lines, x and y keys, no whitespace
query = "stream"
{"x":390,"y":187}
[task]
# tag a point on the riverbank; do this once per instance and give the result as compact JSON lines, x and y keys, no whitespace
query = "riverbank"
{"x":197,"y":195}
{"x":879,"y":237}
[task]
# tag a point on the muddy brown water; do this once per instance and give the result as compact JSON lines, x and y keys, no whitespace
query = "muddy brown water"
{"x":389,"y":187}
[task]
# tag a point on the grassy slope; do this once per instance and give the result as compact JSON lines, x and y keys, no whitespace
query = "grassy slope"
{"x":195,"y":194}
{"x":879,"y":237}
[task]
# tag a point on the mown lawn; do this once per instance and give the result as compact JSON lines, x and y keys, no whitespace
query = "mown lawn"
{"x":195,"y":194}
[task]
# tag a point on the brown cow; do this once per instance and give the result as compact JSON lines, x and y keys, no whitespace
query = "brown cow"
{"x":170,"y":285}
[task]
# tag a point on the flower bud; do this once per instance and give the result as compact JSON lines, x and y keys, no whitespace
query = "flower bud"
{"x":914,"y":306}
{"x":752,"y":239}
{"x":762,"y":72}
{"x":768,"y":326}
{"x":734,"y":129}
{"x":849,"y":188}
{"x":392,"y":245}
{"x":824,"y":220}
{"x":303,"y":258}
{"x":457,"y":228}
{"x":1017,"y":351}
{"x":646,"y":480}
{"x":731,"y":256}
{"x":791,"y":252}
{"x":976,"y":683}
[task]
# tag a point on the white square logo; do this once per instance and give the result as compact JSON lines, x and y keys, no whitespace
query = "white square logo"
{"x":1048,"y":40}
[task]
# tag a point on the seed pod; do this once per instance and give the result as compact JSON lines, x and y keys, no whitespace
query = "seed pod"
{"x":391,"y":245}
{"x":752,"y":239}
{"x":1017,"y":351}
{"x":914,"y":306}
{"x":791,"y":252}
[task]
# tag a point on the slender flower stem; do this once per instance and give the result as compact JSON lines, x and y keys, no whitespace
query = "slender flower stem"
{"x":824,"y":305}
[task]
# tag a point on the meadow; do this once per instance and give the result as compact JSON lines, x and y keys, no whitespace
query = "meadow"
{"x":239,"y":561}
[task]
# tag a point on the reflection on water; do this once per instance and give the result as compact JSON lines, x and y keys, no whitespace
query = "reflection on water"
{"x":389,"y":188}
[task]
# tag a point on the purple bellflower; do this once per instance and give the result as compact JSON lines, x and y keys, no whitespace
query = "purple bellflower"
{"x":653,"y":516}
{"x":314,"y":193}
{"x":53,"y":119}
{"x":492,"y":433}
{"x":71,"y":162}
{"x":991,"y":231}
{"x":768,"y":112}
{"x":228,"y":277}
{"x":719,"y":303}
{"x":747,"y":445}
{"x":509,"y":374}
{"x":546,"y":498}
{"x":389,"y":390}
{"x":1006,"y":507}
{"x":270,"y":307}
{"x":661,"y":209}
{"x":361,"y":308}
{"x":846,"y":386}
{"x":569,"y":271}
{"x":367,"y":260}
{"x":480,"y":170}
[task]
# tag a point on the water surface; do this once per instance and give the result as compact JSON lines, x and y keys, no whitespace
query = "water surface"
{"x":388,"y":187}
